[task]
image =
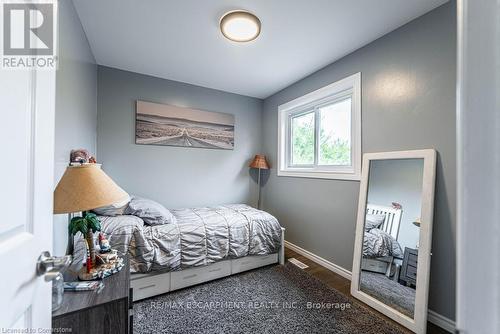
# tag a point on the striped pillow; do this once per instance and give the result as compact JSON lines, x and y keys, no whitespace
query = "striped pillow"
{"x":114,"y":209}
{"x":153,"y":213}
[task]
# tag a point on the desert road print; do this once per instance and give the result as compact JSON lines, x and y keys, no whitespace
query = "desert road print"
{"x":162,"y":124}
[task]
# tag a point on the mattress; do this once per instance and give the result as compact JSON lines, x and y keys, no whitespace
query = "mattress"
{"x":200,"y":236}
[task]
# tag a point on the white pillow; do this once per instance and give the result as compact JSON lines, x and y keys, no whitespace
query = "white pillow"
{"x":373,"y":221}
{"x":114,"y":209}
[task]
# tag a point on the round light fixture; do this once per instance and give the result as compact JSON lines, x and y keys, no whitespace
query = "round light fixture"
{"x":240,"y":26}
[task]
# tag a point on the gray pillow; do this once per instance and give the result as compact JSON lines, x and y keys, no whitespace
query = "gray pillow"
{"x":153,"y":213}
{"x":114,"y":209}
{"x":373,"y":221}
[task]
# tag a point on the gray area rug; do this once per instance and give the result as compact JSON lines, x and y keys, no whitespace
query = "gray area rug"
{"x":273,"y":299}
{"x":399,"y":297}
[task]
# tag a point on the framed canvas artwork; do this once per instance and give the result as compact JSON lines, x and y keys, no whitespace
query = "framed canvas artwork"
{"x":163,"y":124}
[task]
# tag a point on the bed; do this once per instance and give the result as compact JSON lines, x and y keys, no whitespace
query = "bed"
{"x":202,"y":244}
{"x":380,"y":245}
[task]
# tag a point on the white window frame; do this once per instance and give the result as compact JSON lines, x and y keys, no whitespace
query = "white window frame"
{"x":337,"y":91}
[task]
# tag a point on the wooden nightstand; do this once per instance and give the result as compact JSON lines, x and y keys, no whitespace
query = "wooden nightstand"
{"x":408,"y":274}
{"x":108,"y":311}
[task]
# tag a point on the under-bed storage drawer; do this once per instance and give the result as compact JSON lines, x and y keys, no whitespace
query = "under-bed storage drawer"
{"x":149,"y":286}
{"x":252,"y":262}
{"x":187,"y":277}
{"x":374,"y":265}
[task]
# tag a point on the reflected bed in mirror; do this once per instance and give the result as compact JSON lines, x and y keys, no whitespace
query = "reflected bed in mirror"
{"x":397,"y":194}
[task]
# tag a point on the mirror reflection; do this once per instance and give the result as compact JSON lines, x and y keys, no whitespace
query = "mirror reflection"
{"x":391,"y":233}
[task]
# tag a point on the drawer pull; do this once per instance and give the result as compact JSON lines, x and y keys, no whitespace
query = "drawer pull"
{"x":147,"y":286}
{"x":190,"y":276}
{"x":215,"y":270}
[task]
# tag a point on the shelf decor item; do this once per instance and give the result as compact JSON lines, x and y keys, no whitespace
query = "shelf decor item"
{"x":104,"y":243}
{"x":87,"y":226}
{"x":259,"y":162}
{"x":82,"y":188}
{"x":102,"y":269}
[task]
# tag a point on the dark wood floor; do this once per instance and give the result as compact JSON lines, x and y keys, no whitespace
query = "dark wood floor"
{"x":343,"y":285}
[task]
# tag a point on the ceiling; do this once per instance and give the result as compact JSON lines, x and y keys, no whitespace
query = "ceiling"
{"x":180,"y":40}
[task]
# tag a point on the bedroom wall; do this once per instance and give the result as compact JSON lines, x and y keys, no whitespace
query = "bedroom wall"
{"x":408,"y":102}
{"x":76,"y":102}
{"x":175,"y":176}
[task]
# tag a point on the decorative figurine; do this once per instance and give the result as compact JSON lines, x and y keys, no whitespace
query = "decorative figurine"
{"x":104,"y":243}
{"x":87,"y":226}
{"x":81,"y":156}
{"x":106,"y":261}
{"x":104,"y":258}
{"x":109,"y":266}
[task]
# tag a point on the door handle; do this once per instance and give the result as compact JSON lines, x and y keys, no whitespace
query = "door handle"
{"x":51,"y":266}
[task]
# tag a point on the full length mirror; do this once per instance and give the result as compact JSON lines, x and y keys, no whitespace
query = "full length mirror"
{"x":391,"y":265}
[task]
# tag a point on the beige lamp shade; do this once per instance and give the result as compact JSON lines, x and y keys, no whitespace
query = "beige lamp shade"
{"x":259,"y":162}
{"x":85,"y":187}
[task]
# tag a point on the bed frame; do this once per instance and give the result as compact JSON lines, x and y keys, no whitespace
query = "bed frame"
{"x":390,"y":225}
{"x":156,"y":283}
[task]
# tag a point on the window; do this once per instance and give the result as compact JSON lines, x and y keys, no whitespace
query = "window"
{"x":320,"y":133}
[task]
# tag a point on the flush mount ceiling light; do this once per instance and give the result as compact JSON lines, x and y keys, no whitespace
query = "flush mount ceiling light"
{"x":240,"y":26}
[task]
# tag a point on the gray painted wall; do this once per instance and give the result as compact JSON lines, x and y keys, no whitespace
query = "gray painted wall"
{"x":175,"y":176}
{"x":76,"y":102}
{"x":399,"y":181}
{"x":408,"y":102}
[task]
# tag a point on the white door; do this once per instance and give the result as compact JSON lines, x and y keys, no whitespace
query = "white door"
{"x":27,"y":99}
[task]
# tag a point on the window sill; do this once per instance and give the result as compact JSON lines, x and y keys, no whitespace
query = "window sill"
{"x":321,"y":175}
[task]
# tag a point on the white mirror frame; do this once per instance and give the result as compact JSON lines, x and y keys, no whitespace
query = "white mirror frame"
{"x":419,"y":323}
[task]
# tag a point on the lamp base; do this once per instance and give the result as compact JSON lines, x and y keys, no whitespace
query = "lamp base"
{"x":70,"y":248}
{"x":258,"y":183}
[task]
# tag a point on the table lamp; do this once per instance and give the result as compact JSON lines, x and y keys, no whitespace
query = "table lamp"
{"x":260,"y":162}
{"x":82,"y":188}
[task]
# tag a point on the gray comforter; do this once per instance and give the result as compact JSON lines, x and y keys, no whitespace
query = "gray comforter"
{"x":377,"y":243}
{"x":200,"y":236}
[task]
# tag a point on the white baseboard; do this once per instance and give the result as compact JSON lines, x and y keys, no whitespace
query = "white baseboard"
{"x":433,"y":317}
{"x":441,"y":321}
{"x":319,"y":260}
